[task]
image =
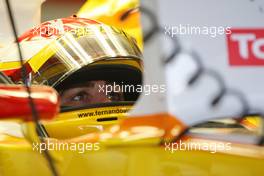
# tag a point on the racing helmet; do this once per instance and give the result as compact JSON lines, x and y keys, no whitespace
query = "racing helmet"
{"x":94,"y":67}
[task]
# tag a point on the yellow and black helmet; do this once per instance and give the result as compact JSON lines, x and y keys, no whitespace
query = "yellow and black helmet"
{"x":76,"y":52}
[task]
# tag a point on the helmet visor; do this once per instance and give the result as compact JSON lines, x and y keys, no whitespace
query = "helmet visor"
{"x":80,"y":48}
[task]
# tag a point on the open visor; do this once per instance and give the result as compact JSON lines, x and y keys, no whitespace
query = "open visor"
{"x":82,"y":47}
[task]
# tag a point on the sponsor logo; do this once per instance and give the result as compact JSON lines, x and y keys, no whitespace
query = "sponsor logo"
{"x":246,"y":47}
{"x":102,"y":112}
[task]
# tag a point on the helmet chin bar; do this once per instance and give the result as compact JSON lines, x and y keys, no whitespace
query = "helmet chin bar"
{"x":77,"y":121}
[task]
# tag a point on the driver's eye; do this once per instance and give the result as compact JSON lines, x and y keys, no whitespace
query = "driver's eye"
{"x":115,"y":96}
{"x":80,"y":96}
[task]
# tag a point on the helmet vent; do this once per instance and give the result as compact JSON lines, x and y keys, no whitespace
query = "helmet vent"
{"x":106,"y":119}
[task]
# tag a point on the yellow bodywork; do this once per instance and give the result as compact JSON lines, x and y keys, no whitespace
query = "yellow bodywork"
{"x":137,"y":160}
{"x":129,"y":149}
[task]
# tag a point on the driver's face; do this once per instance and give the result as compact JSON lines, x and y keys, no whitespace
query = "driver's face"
{"x":89,"y":93}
